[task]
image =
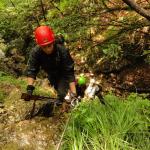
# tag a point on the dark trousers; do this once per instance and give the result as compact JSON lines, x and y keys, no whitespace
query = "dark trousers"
{"x":80,"y":90}
{"x":60,"y":84}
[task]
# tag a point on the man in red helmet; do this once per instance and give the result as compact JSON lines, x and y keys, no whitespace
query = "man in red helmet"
{"x":55,"y":60}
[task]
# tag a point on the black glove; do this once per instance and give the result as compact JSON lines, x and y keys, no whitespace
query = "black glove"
{"x":30,"y":89}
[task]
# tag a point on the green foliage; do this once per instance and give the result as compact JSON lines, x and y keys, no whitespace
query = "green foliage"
{"x":110,"y":31}
{"x":5,"y":78}
{"x":19,"y":83}
{"x":69,"y":4}
{"x":121,"y":124}
{"x":78,"y":20}
{"x":112,"y":51}
{"x":14,"y":19}
{"x":146,"y":52}
{"x":3,"y":4}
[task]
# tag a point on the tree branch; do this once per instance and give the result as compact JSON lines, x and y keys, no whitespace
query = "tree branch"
{"x":43,"y":11}
{"x":137,"y":8}
{"x":12,"y":3}
{"x":61,"y":13}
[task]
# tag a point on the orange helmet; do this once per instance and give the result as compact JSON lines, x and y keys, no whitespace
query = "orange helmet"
{"x":44,"y":35}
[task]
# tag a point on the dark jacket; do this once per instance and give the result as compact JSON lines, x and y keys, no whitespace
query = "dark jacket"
{"x":58,"y":64}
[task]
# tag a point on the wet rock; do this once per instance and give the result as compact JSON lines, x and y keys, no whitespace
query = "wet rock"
{"x":1,"y":105}
{"x":2,"y":111}
{"x":2,"y":54}
{"x":14,"y":63}
{"x":38,"y":133}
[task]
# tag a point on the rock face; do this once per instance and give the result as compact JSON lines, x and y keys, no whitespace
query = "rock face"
{"x":17,"y":132}
{"x":13,"y":64}
{"x":2,"y":54}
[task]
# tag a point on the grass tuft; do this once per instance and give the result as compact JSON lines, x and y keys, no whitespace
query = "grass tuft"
{"x":121,"y":124}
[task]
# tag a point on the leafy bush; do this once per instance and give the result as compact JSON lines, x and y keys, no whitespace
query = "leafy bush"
{"x":120,"y":124}
{"x":112,"y":51}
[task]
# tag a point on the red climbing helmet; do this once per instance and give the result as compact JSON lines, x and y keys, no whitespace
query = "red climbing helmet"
{"x":44,"y":35}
